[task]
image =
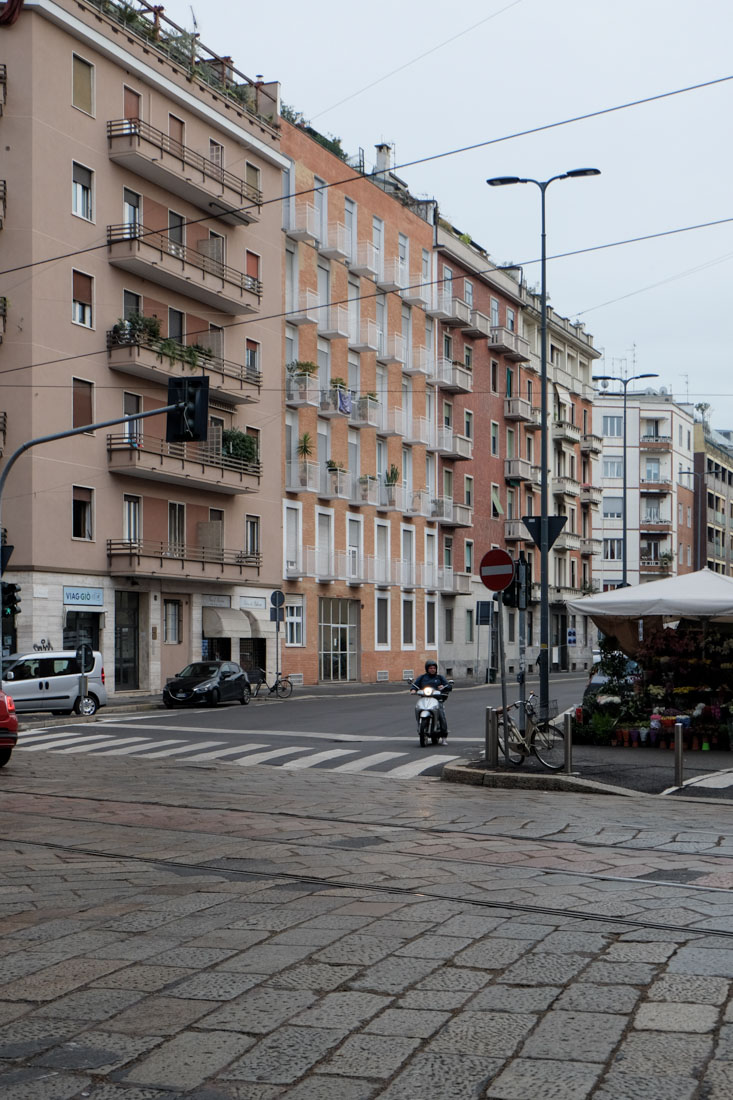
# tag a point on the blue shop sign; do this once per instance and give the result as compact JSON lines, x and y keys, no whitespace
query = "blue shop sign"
{"x":83,"y":597}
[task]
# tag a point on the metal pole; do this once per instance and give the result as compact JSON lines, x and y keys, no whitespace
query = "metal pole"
{"x":544,"y":655}
{"x":491,"y":747}
{"x":502,"y":669}
{"x":624,"y":565}
{"x":568,"y":724}
{"x":679,"y":746}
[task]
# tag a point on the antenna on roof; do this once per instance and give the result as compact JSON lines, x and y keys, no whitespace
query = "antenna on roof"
{"x":195,"y":24}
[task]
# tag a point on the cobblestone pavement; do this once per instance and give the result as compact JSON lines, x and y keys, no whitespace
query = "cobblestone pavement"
{"x":206,"y":932}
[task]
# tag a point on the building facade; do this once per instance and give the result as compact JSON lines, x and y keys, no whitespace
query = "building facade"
{"x":712,"y":485}
{"x":140,"y":242}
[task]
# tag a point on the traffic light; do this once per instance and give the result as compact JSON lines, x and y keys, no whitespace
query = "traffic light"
{"x":190,"y":422}
{"x":510,"y":595}
{"x":11,"y":600}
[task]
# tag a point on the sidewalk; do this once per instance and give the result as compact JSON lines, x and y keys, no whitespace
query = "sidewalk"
{"x":217,"y":933}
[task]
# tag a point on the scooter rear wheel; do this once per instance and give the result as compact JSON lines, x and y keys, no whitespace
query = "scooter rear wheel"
{"x":424,"y":731}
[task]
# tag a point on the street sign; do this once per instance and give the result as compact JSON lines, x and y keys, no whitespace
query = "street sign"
{"x":483,"y":613}
{"x":277,"y":599}
{"x":555,"y":525}
{"x":496,"y":570}
{"x":5,"y":552}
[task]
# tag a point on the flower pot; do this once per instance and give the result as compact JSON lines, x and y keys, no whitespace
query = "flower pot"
{"x":634,"y":737}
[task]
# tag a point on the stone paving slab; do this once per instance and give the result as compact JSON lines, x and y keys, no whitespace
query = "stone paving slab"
{"x":219,"y":947}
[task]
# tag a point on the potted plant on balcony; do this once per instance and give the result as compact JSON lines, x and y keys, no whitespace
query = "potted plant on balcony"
{"x":391,"y":477}
{"x":665,"y":560}
{"x":365,"y":483}
{"x":136,"y":329}
{"x":335,"y":469}
{"x":239,"y":444}
{"x":304,"y":450}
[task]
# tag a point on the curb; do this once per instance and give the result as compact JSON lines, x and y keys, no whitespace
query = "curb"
{"x":471,"y":774}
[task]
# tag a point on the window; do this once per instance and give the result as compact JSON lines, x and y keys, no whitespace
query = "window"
{"x":430,"y":624}
{"x":613,"y":467}
{"x":81,"y":305}
{"x":216,"y":153}
{"x":132,"y":404}
{"x":350,"y":223}
{"x":497,"y":510}
{"x":468,"y":356}
{"x":509,"y":382}
{"x":468,"y":555}
{"x":176,"y":224}
{"x":132,"y":304}
{"x":448,"y":625}
{"x":448,"y":551}
{"x":447,"y":346}
{"x":469,"y":625}
{"x":511,"y":623}
{"x":613,"y":507}
{"x":613,"y":549}
{"x":81,"y":191}
{"x":468,"y":491}
{"x":81,"y":513}
{"x":252,"y":355}
{"x":131,"y":104}
{"x":468,"y":292}
{"x":252,"y":176}
{"x":176,"y":131}
{"x":81,"y":403}
{"x":494,"y":312}
{"x":408,"y":622}
{"x":382,"y":620}
{"x":613,"y":425}
{"x":252,"y":265}
{"x":130,"y":207}
{"x":130,"y":518}
{"x":468,"y":424}
{"x":172,"y":620}
{"x":252,"y":534}
{"x":510,"y":319}
{"x":494,"y":376}
{"x":494,"y":438}
{"x":294,"y":621}
{"x":175,"y":325}
{"x":82,"y":85}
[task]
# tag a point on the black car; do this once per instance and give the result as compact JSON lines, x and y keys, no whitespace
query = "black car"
{"x":208,"y":682}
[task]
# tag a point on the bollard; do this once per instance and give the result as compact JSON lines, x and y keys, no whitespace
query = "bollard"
{"x":492,"y":738}
{"x":679,"y":744}
{"x":568,"y":723}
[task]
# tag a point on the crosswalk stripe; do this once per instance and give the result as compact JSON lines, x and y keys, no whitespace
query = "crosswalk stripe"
{"x":261,"y":757}
{"x":44,"y":735}
{"x":367,"y":761}
{"x":218,"y":753}
{"x":38,"y":746}
{"x":111,"y":750}
{"x":406,"y":771}
{"x":182,"y":748}
{"x":318,"y":758}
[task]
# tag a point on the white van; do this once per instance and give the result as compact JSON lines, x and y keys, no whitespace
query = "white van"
{"x":50,"y":681}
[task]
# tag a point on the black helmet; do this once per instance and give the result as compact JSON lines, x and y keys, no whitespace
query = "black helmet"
{"x":431,"y":664}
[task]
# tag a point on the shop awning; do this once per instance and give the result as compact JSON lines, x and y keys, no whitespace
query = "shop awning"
{"x":225,"y":622}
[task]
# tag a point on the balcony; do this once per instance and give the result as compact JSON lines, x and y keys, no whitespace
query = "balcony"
{"x":301,"y":390}
{"x":517,"y":408}
{"x":590,"y":494}
{"x":335,"y":401}
{"x":565,"y":486}
{"x":363,"y":336}
{"x":441,"y":308}
{"x":427,"y":572}
{"x":517,"y":469}
{"x":511,"y":344}
{"x":459,"y":314}
{"x":337,"y":245}
{"x":158,"y":360}
{"x":655,"y":443}
{"x":590,"y":546}
{"x":419,"y":361}
{"x":333,"y":322}
{"x":478,"y":325}
{"x":335,"y":483}
{"x":560,"y":593}
{"x":303,"y":222}
{"x":351,"y":566}
{"x":591,"y":444}
{"x":565,"y":432}
{"x":452,"y":445}
{"x":366,"y":260}
{"x":139,"y":147}
{"x":365,"y":411}
{"x":306,"y":312}
{"x":391,"y":497}
{"x":655,"y":523}
{"x":420,"y":430}
{"x":445,"y":579}
{"x":416,"y":292}
{"x":154,"y":256}
{"x":391,"y":421}
{"x":454,"y":377}
{"x":148,"y":558}
{"x":365,"y":490}
{"x":391,"y":349}
{"x":655,"y":566}
{"x":515,"y":531}
{"x":393,"y":276}
{"x":451,"y":514}
{"x":192,"y":465}
{"x":313,"y":561}
{"x":382,"y":571}
{"x":416,"y":502}
{"x":567,"y":540}
{"x":302,"y":477}
{"x":407,"y":573}
{"x":655,"y":484}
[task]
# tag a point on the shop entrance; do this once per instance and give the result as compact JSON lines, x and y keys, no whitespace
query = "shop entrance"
{"x":338,"y":639}
{"x":127,"y":635}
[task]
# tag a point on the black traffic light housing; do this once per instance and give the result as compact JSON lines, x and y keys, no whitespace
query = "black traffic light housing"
{"x":11,"y":600}
{"x":190,"y":422}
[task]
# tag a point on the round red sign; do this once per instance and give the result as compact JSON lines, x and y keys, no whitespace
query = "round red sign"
{"x":497,"y":570}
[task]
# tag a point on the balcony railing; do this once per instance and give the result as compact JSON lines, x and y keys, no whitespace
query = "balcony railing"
{"x":451,"y":513}
{"x":590,"y":494}
{"x":3,"y":87}
{"x":393,"y":276}
{"x":333,"y":322}
{"x":159,"y":359}
{"x":420,"y":430}
{"x":365,"y":411}
{"x":363,"y":335}
{"x":391,"y":348}
{"x":567,"y":540}
{"x":417,"y":502}
{"x":419,"y":361}
{"x":302,"y":389}
{"x":517,"y":469}
{"x":155,"y":256}
{"x":452,"y":445}
{"x":157,"y":157}
{"x":337,"y":245}
{"x":509,"y":343}
{"x":565,"y":486}
{"x":203,"y":465}
{"x":366,"y":260}
{"x":365,"y":490}
{"x":336,"y":402}
{"x":3,"y":316}
{"x":176,"y":558}
{"x":392,"y":421}
{"x":454,"y":376}
{"x":655,"y":442}
{"x":591,"y":444}
{"x":655,"y":484}
{"x":415,"y":292}
{"x":565,"y":432}
{"x":478,"y":325}
{"x":303,"y":477}
{"x":306,"y":312}
{"x":515,"y":531}
{"x":590,"y":546}
{"x":517,"y":408}
{"x":302,"y":222}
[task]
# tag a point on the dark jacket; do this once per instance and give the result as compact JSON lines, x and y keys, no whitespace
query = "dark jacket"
{"x":435,"y":681}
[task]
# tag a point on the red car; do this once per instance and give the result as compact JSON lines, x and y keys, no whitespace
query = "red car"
{"x":8,"y":728}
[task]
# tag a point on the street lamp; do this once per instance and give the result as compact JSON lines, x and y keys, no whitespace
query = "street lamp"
{"x":544,"y":656}
{"x":625,"y":382}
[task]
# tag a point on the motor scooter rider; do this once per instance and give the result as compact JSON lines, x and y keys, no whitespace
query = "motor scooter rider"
{"x":432,"y":678}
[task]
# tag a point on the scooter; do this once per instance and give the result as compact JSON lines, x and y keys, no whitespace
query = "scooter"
{"x":427,"y":710}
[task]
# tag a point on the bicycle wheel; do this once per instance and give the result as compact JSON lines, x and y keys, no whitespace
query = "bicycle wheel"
{"x":284,"y":688}
{"x":509,"y":734}
{"x":548,"y":745}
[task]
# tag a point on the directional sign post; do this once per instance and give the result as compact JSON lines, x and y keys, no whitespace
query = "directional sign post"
{"x":496,"y":570}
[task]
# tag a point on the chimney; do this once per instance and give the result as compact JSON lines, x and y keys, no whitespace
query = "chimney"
{"x":384,"y":157}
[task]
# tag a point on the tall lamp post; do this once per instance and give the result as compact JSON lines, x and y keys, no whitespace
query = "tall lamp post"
{"x":625,"y":382}
{"x":544,"y":656}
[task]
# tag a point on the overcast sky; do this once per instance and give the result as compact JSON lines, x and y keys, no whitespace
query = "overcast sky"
{"x":495,"y":67}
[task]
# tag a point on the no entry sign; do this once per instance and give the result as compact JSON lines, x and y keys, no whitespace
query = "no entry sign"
{"x":497,"y":570}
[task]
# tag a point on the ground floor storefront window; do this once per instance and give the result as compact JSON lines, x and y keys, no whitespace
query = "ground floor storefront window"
{"x":338,"y":639}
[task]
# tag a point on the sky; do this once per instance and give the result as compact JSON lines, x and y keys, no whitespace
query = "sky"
{"x":430,"y":78}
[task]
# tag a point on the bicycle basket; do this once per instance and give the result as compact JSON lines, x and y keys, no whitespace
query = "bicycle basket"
{"x":533,"y":708}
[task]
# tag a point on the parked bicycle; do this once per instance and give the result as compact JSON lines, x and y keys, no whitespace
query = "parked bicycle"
{"x":541,"y":737}
{"x":280,"y":686}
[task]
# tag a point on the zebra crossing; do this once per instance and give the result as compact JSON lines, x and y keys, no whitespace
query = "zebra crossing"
{"x":394,"y":764}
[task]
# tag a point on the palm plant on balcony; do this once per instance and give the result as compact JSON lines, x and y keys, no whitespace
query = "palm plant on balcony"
{"x":304,"y":450}
{"x":391,"y":477}
{"x":302,"y":366}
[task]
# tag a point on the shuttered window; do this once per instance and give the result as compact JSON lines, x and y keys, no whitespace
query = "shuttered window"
{"x":253,"y":265}
{"x":82,"y":85}
{"x":81,"y":403}
{"x":82,"y":290}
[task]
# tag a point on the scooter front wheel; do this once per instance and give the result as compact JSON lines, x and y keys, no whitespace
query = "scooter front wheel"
{"x":424,"y":731}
